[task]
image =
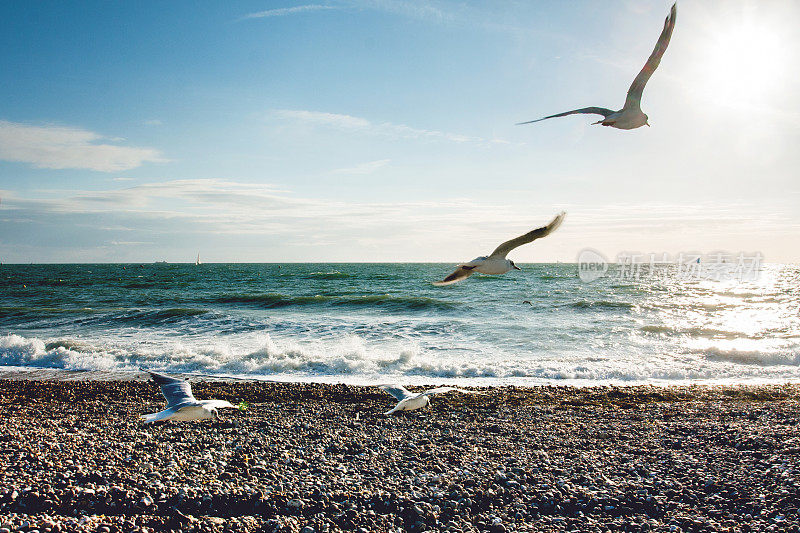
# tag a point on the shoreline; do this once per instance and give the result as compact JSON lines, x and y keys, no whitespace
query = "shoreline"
{"x":59,"y":374}
{"x":319,"y":457}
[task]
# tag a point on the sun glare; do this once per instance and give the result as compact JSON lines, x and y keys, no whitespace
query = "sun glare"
{"x":745,"y":64}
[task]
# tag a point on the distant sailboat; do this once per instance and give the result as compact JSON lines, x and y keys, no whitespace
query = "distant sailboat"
{"x":197,"y":261}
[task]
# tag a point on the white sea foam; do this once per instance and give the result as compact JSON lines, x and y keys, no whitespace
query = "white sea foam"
{"x":352,"y":359}
{"x":16,"y":350}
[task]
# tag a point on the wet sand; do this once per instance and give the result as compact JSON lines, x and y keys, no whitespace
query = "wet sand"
{"x":313,"y":457}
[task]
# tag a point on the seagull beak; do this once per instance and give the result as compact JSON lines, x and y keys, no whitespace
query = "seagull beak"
{"x":517,"y":268}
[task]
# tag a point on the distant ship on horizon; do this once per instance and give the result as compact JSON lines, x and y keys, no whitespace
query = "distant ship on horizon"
{"x":197,"y":261}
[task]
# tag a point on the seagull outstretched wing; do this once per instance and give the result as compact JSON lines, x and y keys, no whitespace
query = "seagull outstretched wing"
{"x":399,"y":392}
{"x":583,"y":111}
{"x":176,"y":391}
{"x":538,"y":233}
{"x":634,"y":97}
{"x":461,"y":272}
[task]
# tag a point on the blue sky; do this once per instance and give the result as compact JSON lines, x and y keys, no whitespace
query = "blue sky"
{"x":361,"y":130}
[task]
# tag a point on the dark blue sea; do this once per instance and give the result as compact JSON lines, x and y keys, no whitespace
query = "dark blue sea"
{"x":370,"y":323}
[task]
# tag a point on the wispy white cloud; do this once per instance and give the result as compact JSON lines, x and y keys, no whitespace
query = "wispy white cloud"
{"x":363,"y":168}
{"x":284,"y":11}
{"x":228,"y":207}
{"x":182,"y":197}
{"x":334,"y":120}
{"x":363,"y":126}
{"x":59,"y":147}
{"x":232,"y":207}
{"x":428,"y":11}
{"x":419,"y":9}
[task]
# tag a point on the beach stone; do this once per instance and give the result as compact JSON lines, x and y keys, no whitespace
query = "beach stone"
{"x":440,"y":472}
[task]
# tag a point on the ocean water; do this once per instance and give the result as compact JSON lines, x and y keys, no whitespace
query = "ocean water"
{"x":377,"y":323}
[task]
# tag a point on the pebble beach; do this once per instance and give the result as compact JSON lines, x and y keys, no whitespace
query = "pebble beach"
{"x":320,"y":457}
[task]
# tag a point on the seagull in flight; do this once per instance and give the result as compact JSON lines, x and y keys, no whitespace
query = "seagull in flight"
{"x":496,"y":262}
{"x":181,"y":403}
{"x":630,"y":116}
{"x":409,"y":401}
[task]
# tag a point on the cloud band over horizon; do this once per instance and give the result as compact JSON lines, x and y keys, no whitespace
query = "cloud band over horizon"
{"x":266,"y":223}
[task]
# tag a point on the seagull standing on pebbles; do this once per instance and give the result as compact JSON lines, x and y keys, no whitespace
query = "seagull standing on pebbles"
{"x":630,"y":116}
{"x":496,"y":262}
{"x":408,"y":401}
{"x":181,"y":403}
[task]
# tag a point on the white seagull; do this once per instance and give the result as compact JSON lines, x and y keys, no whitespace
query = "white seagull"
{"x":181,"y":403}
{"x":630,"y":116}
{"x":496,"y":262}
{"x":408,"y":401}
